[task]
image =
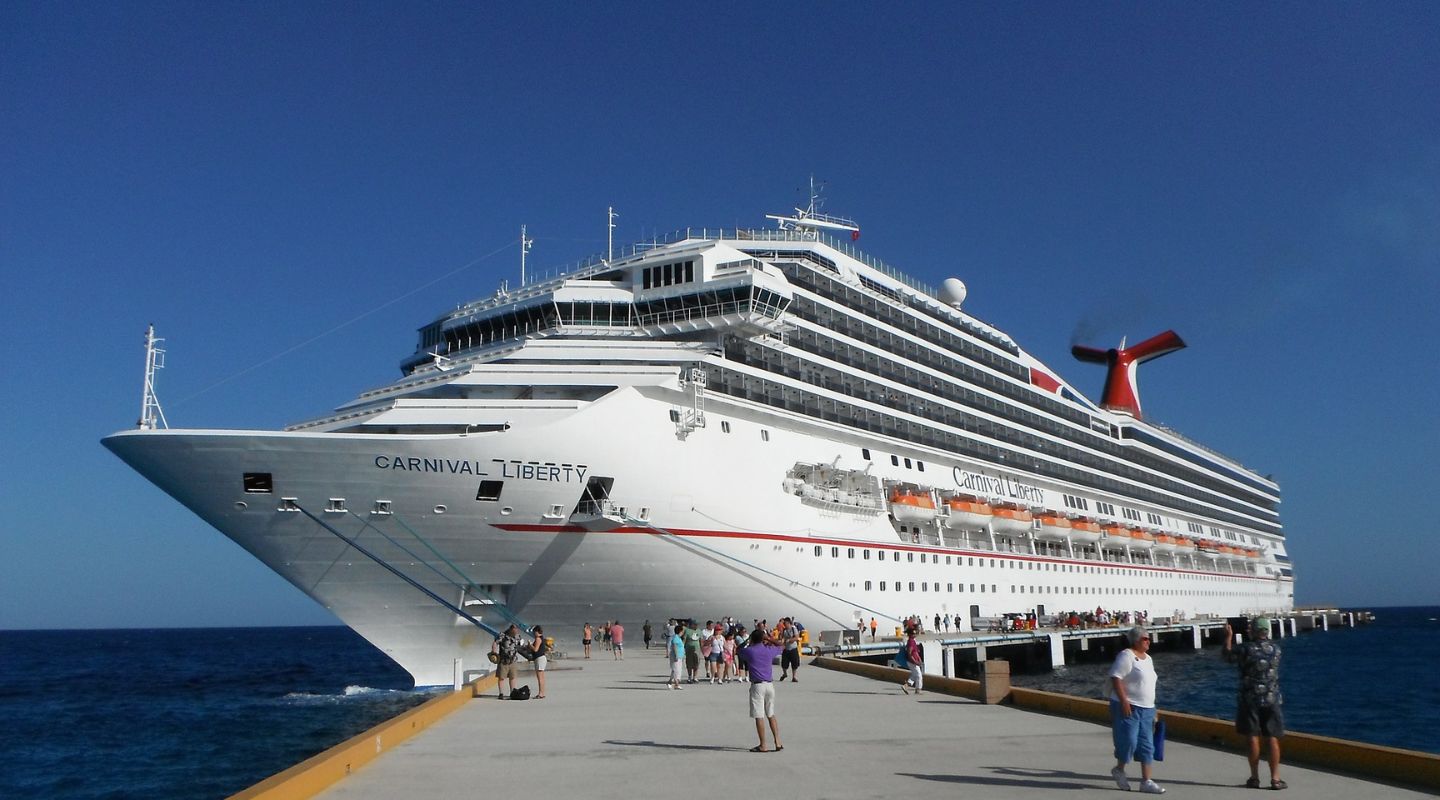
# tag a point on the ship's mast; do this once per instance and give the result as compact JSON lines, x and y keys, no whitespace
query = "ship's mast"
{"x":525,"y":243}
{"x":150,"y":410}
{"x":610,"y":235}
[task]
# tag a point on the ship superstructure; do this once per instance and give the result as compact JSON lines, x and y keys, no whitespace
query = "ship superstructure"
{"x":725,"y":422}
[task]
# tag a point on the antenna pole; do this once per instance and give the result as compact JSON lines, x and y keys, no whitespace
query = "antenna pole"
{"x":610,"y":235}
{"x":149,"y":403}
{"x":524,"y":248}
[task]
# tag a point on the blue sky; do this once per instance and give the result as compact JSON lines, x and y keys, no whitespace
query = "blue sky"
{"x":289,"y":190}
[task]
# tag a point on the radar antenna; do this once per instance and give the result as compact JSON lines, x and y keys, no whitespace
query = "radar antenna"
{"x":150,"y":410}
{"x":810,"y":219}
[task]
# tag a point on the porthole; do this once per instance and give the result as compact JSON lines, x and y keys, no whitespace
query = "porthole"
{"x":440,"y":509}
{"x":240,"y":505}
{"x":507,"y":511}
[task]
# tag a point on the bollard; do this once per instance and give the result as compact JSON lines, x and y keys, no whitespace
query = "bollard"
{"x":994,"y":681}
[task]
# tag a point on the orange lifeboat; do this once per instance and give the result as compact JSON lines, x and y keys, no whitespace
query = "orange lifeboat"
{"x":908,"y":506}
{"x":1010,"y":519}
{"x":1085,"y":531}
{"x":1165,"y":543}
{"x":1141,"y":539}
{"x":1052,"y":525}
{"x":1117,"y":537}
{"x":1185,"y":545}
{"x":968,"y":513}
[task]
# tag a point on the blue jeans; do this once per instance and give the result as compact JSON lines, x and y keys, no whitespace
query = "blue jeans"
{"x":1134,"y":737}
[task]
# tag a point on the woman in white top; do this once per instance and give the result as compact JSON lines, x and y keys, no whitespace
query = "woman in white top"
{"x":1132,"y":710}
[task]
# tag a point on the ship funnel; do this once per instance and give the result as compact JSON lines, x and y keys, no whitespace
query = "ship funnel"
{"x":1121,"y":393}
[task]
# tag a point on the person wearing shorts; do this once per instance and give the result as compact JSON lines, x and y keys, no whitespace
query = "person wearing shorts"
{"x":587,"y":636}
{"x":617,"y":640}
{"x":506,"y":648}
{"x":759,"y":658}
{"x":540,"y":648}
{"x":1259,"y":710}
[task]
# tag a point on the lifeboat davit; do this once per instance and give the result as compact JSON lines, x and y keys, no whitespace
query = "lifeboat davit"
{"x":1185,"y":545}
{"x":1165,"y":543}
{"x":1010,"y":520}
{"x":1052,"y":526}
{"x":968,"y":513}
{"x":1141,"y":539}
{"x":1085,"y":531}
{"x":908,"y":506}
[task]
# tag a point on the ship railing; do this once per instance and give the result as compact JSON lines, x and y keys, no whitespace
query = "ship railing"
{"x":598,"y":263}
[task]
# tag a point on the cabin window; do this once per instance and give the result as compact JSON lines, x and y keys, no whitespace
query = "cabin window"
{"x":865,"y":453}
{"x":909,"y":556}
{"x":912,"y":586}
{"x":882,"y":586}
{"x":489,"y":490}
{"x":834,"y":552}
{"x":867,"y":555}
{"x":920,"y":465}
{"x":764,"y":435}
{"x":850,"y":552}
{"x":819,"y":550}
{"x":674,"y":415}
{"x":336,"y":505}
{"x":867,"y":586}
{"x":907,"y":463}
{"x":724,"y":426}
{"x":897,"y":555}
{"x":258,"y":483}
{"x":894,"y":461}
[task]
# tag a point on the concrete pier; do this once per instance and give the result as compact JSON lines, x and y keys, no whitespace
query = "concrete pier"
{"x":612,"y":730}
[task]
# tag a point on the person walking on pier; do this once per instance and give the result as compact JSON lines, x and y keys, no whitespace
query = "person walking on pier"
{"x":648,"y":632}
{"x":617,"y":640}
{"x":675,"y":652}
{"x":1132,"y":710}
{"x":873,"y":626}
{"x":587,"y":635}
{"x":790,"y":655}
{"x":759,"y":658}
{"x":915,"y":659}
{"x":1258,"y":712}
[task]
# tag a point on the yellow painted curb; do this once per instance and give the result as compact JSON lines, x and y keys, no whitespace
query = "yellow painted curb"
{"x":321,"y":771}
{"x":1410,"y":767}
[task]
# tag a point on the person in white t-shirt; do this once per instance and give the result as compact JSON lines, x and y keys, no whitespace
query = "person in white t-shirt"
{"x":1132,"y":710}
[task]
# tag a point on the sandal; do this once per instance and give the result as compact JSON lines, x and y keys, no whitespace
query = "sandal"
{"x":1252,"y":783}
{"x":778,"y":748}
{"x":1277,"y":785}
{"x":759,"y":748}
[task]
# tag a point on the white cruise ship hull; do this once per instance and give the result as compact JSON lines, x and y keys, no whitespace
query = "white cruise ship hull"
{"x":707,"y":530}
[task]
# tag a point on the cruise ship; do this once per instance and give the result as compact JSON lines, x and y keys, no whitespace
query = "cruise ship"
{"x":751,"y":423}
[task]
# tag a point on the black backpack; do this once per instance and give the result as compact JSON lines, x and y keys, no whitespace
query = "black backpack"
{"x":522,"y":693}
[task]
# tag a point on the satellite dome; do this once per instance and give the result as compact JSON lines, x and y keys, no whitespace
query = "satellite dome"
{"x":952,"y":291}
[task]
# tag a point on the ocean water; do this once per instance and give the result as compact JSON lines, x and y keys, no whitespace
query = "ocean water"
{"x":206,"y":713}
{"x":1372,"y":683}
{"x":182,"y":713}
